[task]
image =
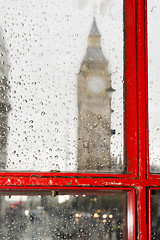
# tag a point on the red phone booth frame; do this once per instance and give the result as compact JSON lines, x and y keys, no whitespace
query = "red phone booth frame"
{"x":137,"y":179}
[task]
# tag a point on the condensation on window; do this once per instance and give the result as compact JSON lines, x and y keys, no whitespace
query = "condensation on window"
{"x":154,"y":77}
{"x":61,"y":69}
{"x":63,"y":217}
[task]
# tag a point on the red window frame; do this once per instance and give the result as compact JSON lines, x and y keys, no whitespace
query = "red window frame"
{"x":137,"y":180}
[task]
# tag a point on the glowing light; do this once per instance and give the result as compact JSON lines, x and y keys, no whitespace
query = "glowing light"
{"x":104,"y":215}
{"x":78,"y":215}
{"x":96,"y":215}
{"x":104,"y":220}
{"x":98,"y":210}
{"x":110,"y":216}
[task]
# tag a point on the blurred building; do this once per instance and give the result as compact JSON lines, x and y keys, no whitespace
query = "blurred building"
{"x":94,"y":107}
{"x":4,"y":104}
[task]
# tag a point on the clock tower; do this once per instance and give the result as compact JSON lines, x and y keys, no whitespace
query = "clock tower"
{"x":94,"y":108}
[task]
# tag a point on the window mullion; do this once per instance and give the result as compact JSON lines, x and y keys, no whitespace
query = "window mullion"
{"x":142,"y":213}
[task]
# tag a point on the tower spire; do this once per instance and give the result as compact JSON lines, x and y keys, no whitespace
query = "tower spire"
{"x":94,"y":52}
{"x":94,"y":30}
{"x":94,"y":38}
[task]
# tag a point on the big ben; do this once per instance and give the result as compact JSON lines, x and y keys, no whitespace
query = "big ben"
{"x":94,"y":107}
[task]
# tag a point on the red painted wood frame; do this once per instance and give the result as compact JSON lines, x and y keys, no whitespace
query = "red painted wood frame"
{"x":137,"y":178}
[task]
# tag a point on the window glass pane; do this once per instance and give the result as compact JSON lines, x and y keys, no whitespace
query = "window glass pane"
{"x":154,"y":92}
{"x":61,"y":85}
{"x":63,"y":217}
{"x":155,"y":204}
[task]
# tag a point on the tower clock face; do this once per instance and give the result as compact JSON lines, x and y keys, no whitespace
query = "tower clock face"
{"x":96,"y":84}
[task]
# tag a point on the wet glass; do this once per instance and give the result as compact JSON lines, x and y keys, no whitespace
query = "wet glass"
{"x":154,"y":90}
{"x":61,"y":92}
{"x":155,"y":211}
{"x":63,"y":217}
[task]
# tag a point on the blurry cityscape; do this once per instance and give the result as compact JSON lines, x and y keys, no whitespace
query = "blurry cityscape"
{"x":64,"y":217}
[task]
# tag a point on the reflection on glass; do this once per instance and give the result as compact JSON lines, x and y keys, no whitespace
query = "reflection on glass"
{"x":63,"y":217}
{"x":154,"y":90}
{"x":61,"y":72}
{"x":155,"y":208}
